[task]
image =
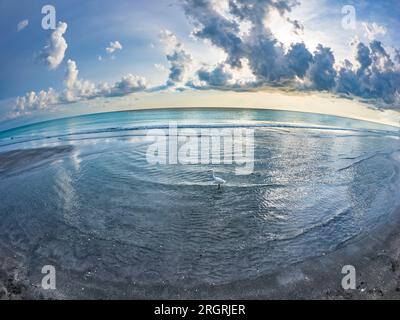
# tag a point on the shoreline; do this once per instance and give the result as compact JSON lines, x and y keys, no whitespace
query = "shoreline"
{"x":375,"y":254}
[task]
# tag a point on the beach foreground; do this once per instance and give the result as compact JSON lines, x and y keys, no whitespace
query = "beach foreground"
{"x":376,"y":257}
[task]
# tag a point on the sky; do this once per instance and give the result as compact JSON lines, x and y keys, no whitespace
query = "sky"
{"x":128,"y":54}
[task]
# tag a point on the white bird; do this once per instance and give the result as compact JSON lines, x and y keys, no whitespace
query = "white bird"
{"x":218,"y":180}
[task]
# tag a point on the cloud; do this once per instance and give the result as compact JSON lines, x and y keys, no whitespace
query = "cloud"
{"x":36,"y":101}
{"x":266,"y":56}
{"x":75,"y":90}
{"x":160,"y":67}
{"x":53,"y":53}
{"x":322,"y":73}
{"x":372,"y":30}
{"x":22,"y":25}
{"x":127,"y":85}
{"x":363,"y":56}
{"x":299,"y":59}
{"x":397,"y":56}
{"x":375,"y":75}
{"x":217,"y":28}
{"x":218,"y":77}
{"x":114,"y":45}
{"x":181,"y":62}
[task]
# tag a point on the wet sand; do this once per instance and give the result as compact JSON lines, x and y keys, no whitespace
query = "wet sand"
{"x":375,"y":255}
{"x":17,"y":161}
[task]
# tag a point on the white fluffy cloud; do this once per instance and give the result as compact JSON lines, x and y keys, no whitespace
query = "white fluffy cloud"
{"x":22,"y":25}
{"x":372,"y":30}
{"x":54,"y":51}
{"x":114,"y":45}
{"x":35,"y":101}
{"x":75,"y":90}
{"x":127,"y":85}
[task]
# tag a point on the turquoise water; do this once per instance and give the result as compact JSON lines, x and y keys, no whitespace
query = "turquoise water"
{"x":88,"y":201}
{"x":120,"y":121}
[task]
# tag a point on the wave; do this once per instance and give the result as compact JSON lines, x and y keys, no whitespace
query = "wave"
{"x":385,"y":154}
{"x":66,"y":136}
{"x":303,"y":231}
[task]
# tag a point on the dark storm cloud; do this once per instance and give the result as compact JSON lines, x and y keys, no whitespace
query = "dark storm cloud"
{"x":299,"y":59}
{"x":264,"y":53}
{"x":376,"y":75}
{"x":321,"y":73}
{"x":217,"y":77}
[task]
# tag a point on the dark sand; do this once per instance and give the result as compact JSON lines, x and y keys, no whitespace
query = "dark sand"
{"x":375,"y":255}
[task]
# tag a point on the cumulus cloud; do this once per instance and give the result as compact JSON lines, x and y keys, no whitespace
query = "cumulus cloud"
{"x":76,"y":89}
{"x":54,"y":51}
{"x":372,"y":30}
{"x":222,"y":27}
{"x":217,"y":77}
{"x":299,"y":59}
{"x":113,"y":46}
{"x":127,"y":85}
{"x":266,"y":56}
{"x":36,"y":101}
{"x":363,"y":56}
{"x":181,"y":62}
{"x":217,"y":28}
{"x":374,"y":76}
{"x":374,"y":73}
{"x":160,"y":67}
{"x":322,"y":73}
{"x":22,"y":24}
{"x":397,"y":56}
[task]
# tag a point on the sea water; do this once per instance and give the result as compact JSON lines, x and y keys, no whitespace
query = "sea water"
{"x":79,"y":194}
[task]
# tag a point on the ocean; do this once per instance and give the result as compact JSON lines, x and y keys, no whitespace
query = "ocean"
{"x":80,"y":194}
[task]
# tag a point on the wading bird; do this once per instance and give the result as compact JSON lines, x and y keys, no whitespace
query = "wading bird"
{"x":218,"y":180}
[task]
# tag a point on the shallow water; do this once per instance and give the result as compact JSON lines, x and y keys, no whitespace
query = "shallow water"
{"x":88,"y":201}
